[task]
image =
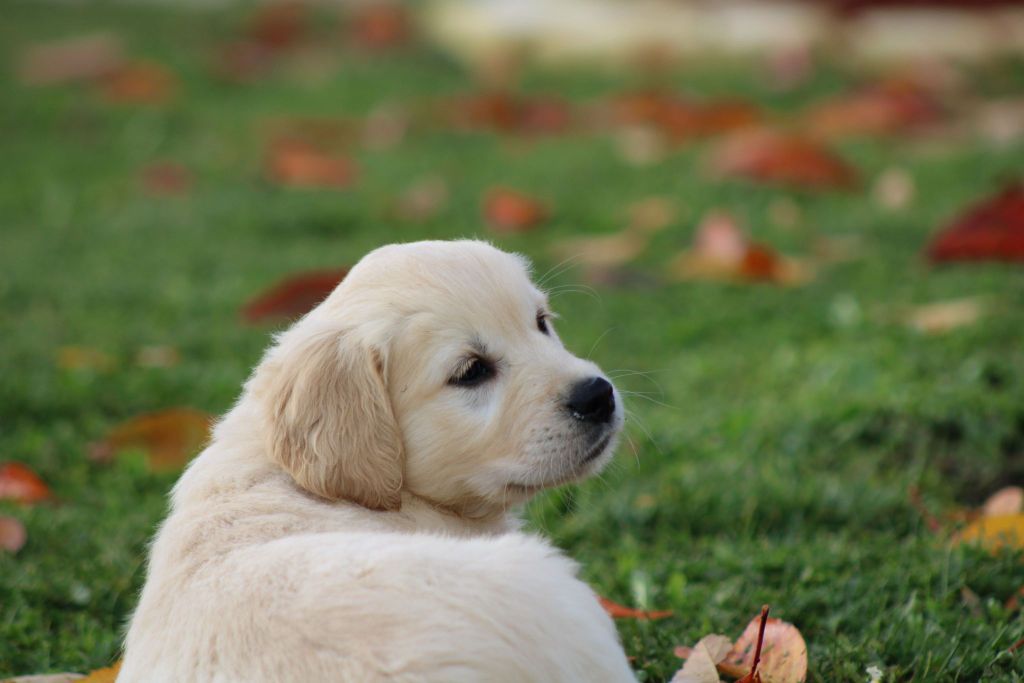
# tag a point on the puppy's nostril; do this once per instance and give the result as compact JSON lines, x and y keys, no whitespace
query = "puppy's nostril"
{"x":592,"y":400}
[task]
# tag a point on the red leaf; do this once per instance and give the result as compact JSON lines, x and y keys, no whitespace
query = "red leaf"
{"x":293,"y":297}
{"x":772,"y":157}
{"x":783,"y":652}
{"x":992,"y":230}
{"x":169,"y":437}
{"x":680,"y":119}
{"x":278,"y":25}
{"x":166,"y":178}
{"x":141,"y":83}
{"x":617,"y":611}
{"x":12,"y":534}
{"x":378,"y":26}
{"x":885,"y":109}
{"x":22,"y":485}
{"x":293,"y":163}
{"x":508,"y":211}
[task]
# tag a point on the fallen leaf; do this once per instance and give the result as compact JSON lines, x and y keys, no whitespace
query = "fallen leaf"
{"x":169,"y":438}
{"x":1001,"y":122}
{"x":894,"y":190}
{"x":943,"y":316}
{"x":605,"y":251}
{"x":22,"y":485}
{"x":992,"y":230}
{"x":86,"y":58}
{"x":385,"y":127}
{"x":617,"y":611}
{"x":783,"y":655}
{"x":293,"y":163}
{"x":146,"y":83}
{"x":12,"y":534}
{"x":505,"y":112}
{"x":380,"y":26}
{"x":884,"y":109}
{"x":786,"y":159}
{"x":723,"y":252}
{"x":641,"y":145}
{"x":995,"y":532}
{"x":422,"y":200}
{"x":278,"y":25}
{"x":293,"y":297}
{"x":701,"y":661}
{"x":1005,"y":501}
{"x":105,"y":675}
{"x":166,"y":178}
{"x":680,"y":119}
{"x":83,"y":358}
{"x":157,"y":357}
{"x":508,"y":211}
{"x":651,"y":215}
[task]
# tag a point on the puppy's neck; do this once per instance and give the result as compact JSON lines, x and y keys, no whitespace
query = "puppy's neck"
{"x":474,"y":515}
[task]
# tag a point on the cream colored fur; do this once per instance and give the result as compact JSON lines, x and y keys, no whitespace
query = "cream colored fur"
{"x":354,"y":515}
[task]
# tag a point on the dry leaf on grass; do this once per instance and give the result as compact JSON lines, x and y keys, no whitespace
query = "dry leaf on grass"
{"x":617,"y":611}
{"x":508,"y":211}
{"x":894,"y":190}
{"x":702,"y":660}
{"x":679,"y":119}
{"x":85,"y":58}
{"x":168,"y":437}
{"x":380,"y":26}
{"x":505,"y":112}
{"x":83,"y":358}
{"x":278,"y":25}
{"x":293,"y":297}
{"x":104,"y":675}
{"x":140,"y":83}
{"x":992,"y":230}
{"x":995,"y":532}
{"x":293,"y":163}
{"x":781,"y":158}
{"x":943,"y":316}
{"x":722,"y":252}
{"x":884,"y":109}
{"x":12,"y":534}
{"x":21,"y":484}
{"x":646,"y":217}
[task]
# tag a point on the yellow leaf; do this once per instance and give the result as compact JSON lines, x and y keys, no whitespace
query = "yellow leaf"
{"x":104,"y":675}
{"x":993,"y":533}
{"x":170,"y":437}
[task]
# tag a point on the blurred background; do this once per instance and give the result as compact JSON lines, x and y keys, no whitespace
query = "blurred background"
{"x":793,"y":232}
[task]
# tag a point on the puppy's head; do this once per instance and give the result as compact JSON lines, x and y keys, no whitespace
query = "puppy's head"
{"x":434,"y":368}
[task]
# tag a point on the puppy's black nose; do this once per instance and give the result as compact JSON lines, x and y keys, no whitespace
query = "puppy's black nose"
{"x":592,"y":400}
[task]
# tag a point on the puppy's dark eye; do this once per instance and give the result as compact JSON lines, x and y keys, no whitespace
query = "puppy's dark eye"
{"x":473,"y":373}
{"x":542,"y":322}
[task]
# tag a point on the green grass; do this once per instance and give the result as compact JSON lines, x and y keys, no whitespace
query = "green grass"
{"x":789,"y":423}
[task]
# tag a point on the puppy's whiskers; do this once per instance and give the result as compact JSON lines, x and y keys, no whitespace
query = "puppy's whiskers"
{"x":557,"y":270}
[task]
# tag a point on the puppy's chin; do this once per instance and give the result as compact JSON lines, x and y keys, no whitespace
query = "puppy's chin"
{"x":580,"y":465}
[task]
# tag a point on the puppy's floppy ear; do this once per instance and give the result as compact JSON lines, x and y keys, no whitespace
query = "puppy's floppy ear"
{"x":330,"y":422}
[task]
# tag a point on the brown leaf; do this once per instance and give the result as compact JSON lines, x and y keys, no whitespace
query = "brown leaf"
{"x":1005,"y":501}
{"x":505,"y":112}
{"x":278,"y":25}
{"x":943,"y":316}
{"x":995,"y":532}
{"x":84,"y":358}
{"x":885,"y":109}
{"x":12,"y":534}
{"x":723,"y":252}
{"x":104,"y":675}
{"x":682,"y":120}
{"x":701,"y":661}
{"x":294,"y":296}
{"x":86,"y":58}
{"x":508,"y":211}
{"x":166,"y":178}
{"x":783,"y":655}
{"x":145,"y":83}
{"x":780,"y":158}
{"x":293,"y":163}
{"x":380,"y":26}
{"x":618,"y":611}
{"x":992,"y":230}
{"x":22,"y":485}
{"x":169,"y":437}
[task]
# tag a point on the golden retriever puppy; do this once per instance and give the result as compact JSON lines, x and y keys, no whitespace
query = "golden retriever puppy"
{"x":354,"y":515}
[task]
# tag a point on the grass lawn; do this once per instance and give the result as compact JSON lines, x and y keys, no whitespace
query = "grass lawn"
{"x":787,"y":426}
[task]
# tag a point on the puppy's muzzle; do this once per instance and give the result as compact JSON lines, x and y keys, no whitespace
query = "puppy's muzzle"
{"x":592,"y":401}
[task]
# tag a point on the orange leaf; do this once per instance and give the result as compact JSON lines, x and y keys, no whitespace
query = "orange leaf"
{"x":141,"y":83}
{"x":506,"y":112}
{"x":681,"y":120}
{"x":104,"y":675}
{"x":886,"y":109}
{"x":990,"y":231}
{"x":380,"y":26}
{"x":12,"y":534}
{"x":22,"y":485}
{"x":294,"y":296}
{"x":298,"y":164}
{"x":508,"y":211}
{"x":786,"y":159}
{"x":783,"y":655}
{"x":618,"y":611}
{"x":169,"y":437}
{"x":994,"y":533}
